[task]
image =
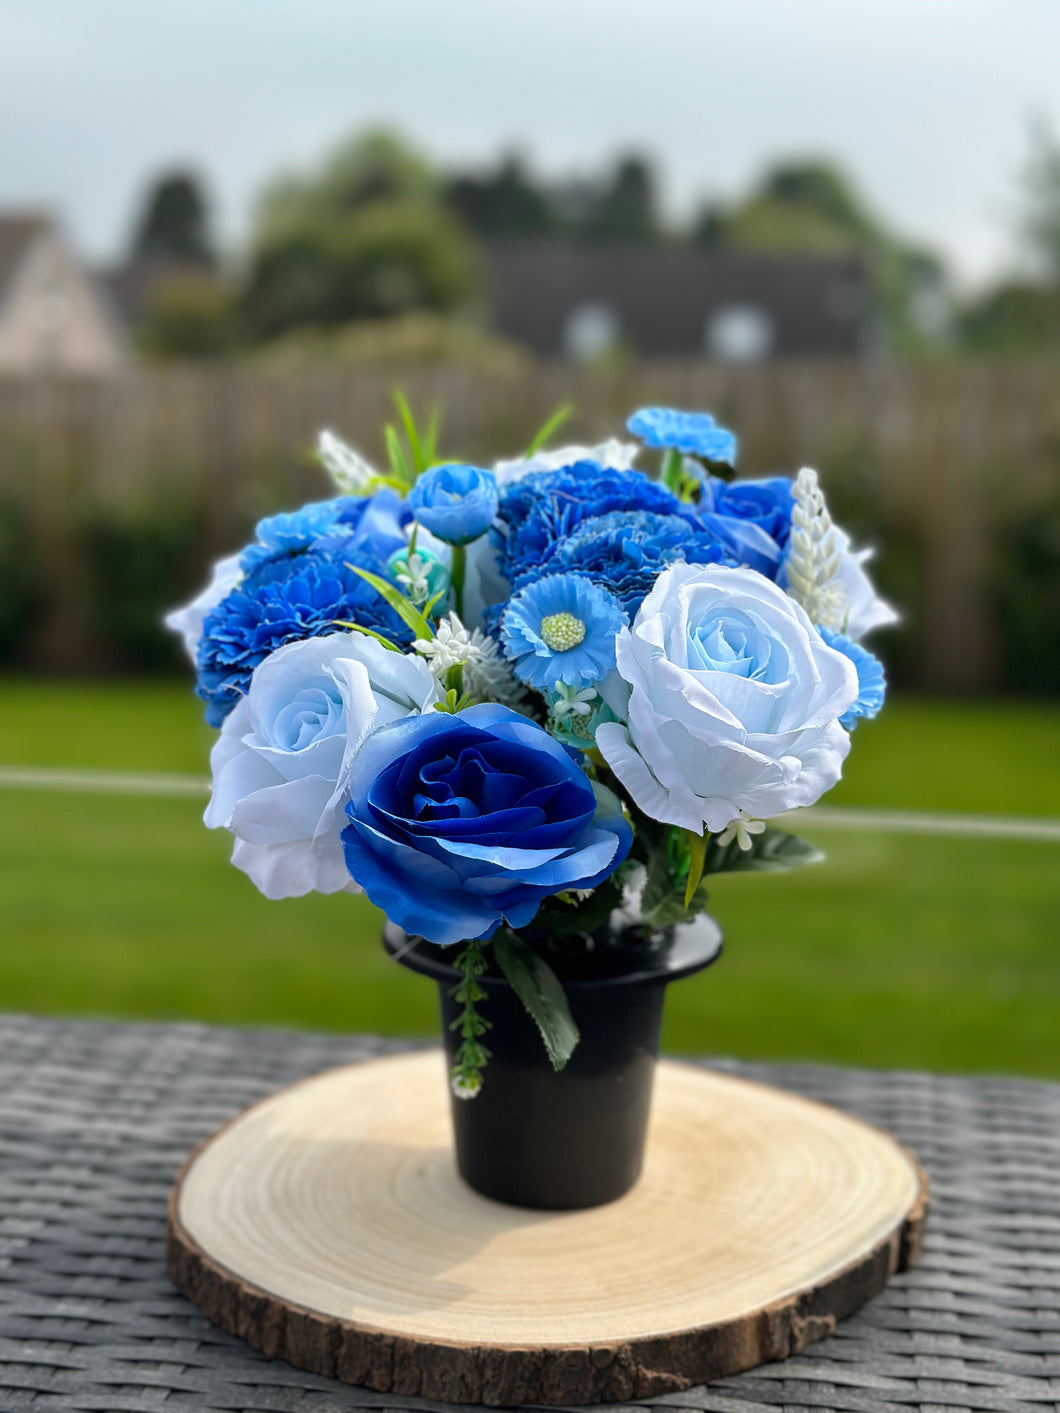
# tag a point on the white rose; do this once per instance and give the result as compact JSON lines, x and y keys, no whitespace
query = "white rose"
{"x":733,"y":701}
{"x":284,"y":753}
{"x":188,"y":621}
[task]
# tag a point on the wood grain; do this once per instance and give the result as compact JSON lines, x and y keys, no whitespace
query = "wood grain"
{"x":327,"y":1226}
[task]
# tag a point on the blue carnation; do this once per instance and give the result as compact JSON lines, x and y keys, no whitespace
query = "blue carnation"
{"x":461,"y":822}
{"x":539,"y":512}
{"x":456,"y":503}
{"x":872,"y":685}
{"x":693,"y":433}
{"x":284,"y":601}
{"x":561,"y":629}
{"x":350,"y":523}
{"x":627,"y":552}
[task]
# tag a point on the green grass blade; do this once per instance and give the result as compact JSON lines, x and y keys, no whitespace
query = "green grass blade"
{"x":552,"y":424}
{"x":401,"y":402}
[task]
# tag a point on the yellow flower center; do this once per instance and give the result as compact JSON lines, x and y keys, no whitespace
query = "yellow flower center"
{"x":560,"y":631}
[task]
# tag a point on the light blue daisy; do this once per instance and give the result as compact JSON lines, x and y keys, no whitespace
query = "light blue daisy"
{"x":562,"y":629}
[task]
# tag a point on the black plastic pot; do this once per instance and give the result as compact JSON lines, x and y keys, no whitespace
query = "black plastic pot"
{"x":541,"y":1138}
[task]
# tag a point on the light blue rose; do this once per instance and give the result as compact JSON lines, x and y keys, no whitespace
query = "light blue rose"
{"x":457,"y":503}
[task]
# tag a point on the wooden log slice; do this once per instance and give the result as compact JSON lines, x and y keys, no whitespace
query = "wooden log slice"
{"x":327,"y":1226}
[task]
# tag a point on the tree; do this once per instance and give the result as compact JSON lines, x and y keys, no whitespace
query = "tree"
{"x":387,"y":259}
{"x":504,"y":202}
{"x":624,"y":209}
{"x":1041,"y":184}
{"x":363,"y":237}
{"x":378,"y":165}
{"x":190,"y":314}
{"x":175,"y":223}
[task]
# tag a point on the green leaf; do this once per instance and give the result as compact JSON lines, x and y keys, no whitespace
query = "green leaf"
{"x":538,"y":987}
{"x":398,"y":602}
{"x":403,"y":474}
{"x":773,"y":851}
{"x":697,"y":850}
{"x":401,"y":402}
{"x":552,"y":424}
{"x":672,"y":471}
{"x":430,"y":441}
{"x":369,"y":633}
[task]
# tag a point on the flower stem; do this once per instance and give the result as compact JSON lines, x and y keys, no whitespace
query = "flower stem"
{"x":471,"y":1054}
{"x":457,"y":569}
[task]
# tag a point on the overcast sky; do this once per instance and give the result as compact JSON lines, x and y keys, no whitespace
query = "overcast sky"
{"x":926,"y":102}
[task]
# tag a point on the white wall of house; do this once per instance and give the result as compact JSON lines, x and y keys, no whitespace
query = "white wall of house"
{"x":54,"y":320}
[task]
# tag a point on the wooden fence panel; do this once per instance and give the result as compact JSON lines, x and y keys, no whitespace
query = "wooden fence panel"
{"x":950,"y":456}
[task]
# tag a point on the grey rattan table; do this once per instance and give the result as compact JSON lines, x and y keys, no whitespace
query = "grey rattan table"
{"x":96,"y":1117}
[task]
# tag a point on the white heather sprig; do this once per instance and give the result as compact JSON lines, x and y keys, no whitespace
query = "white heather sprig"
{"x":741,"y":829}
{"x":813,"y":556}
{"x":452,"y":645}
{"x":487,"y":674}
{"x":347,"y":468}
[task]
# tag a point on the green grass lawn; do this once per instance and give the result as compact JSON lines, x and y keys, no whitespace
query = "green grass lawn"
{"x":898,"y":951}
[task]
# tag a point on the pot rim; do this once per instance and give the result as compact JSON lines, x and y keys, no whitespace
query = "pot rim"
{"x":696,"y":945}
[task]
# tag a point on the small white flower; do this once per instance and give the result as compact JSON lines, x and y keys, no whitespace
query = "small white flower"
{"x":573,"y":701}
{"x":466,"y":1086}
{"x":413,"y":574}
{"x":814,"y":557}
{"x":452,"y":645}
{"x":741,"y":829}
{"x":346,"y":467}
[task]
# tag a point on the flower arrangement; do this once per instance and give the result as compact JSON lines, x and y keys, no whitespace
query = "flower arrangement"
{"x":532,"y":695}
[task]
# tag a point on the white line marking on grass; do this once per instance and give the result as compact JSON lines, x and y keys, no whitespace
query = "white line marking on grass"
{"x":103,"y":782}
{"x":937,"y":822}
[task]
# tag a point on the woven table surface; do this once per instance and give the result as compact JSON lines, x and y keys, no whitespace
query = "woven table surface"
{"x":95,"y":1119}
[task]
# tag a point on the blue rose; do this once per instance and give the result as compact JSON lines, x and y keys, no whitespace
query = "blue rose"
{"x":459,"y":823}
{"x":456,"y":503}
{"x":693,"y":433}
{"x":751,"y":519}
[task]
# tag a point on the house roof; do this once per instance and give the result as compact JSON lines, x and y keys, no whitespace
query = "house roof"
{"x":17,"y":234}
{"x":663,"y":296}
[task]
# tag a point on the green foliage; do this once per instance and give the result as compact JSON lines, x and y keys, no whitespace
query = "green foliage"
{"x":677,"y":861}
{"x":549,"y":427}
{"x":1015,"y":317}
{"x":503,"y":203}
{"x":175,"y":223}
{"x":1041,"y":184}
{"x":471,"y":1054}
{"x":537,"y":986}
{"x":139,"y":565}
{"x":190,"y":314}
{"x":22,"y":593}
{"x":376,"y":165}
{"x":376,"y":262}
{"x":624,"y":209}
{"x":1028,"y":600}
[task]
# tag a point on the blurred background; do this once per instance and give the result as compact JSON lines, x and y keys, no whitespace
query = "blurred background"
{"x":225,"y":226}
